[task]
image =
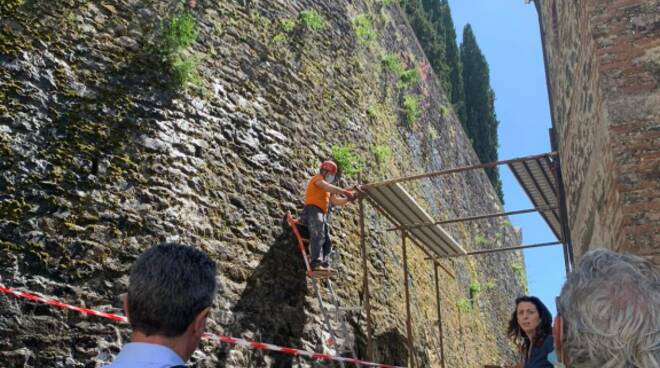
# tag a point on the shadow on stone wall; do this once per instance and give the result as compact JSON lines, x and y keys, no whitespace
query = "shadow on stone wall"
{"x":389,"y":347}
{"x":272,"y":306}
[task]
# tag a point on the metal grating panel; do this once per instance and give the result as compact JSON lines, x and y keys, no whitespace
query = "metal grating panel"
{"x":537,"y":179}
{"x":403,"y":209}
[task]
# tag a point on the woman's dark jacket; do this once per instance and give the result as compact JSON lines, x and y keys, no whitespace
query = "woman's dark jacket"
{"x":539,"y":356}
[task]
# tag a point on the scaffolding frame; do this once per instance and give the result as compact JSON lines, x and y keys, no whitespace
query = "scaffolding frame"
{"x":535,"y":190}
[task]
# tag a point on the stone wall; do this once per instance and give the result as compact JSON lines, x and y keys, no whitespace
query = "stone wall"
{"x":101,"y":159}
{"x":603,"y":61}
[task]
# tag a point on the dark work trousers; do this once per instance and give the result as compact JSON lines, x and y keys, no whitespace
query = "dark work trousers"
{"x":319,"y":233}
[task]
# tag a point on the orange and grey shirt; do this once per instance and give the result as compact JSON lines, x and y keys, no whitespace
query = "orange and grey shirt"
{"x":316,"y":196}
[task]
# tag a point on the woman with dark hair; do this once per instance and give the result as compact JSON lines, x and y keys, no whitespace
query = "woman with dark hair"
{"x":530,"y":329}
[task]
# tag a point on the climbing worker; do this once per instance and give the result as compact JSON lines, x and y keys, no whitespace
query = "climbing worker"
{"x":319,"y":196}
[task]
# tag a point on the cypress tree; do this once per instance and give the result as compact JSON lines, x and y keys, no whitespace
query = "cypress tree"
{"x":426,"y":33}
{"x":431,"y":20}
{"x":433,"y":13}
{"x":457,"y":93}
{"x":463,"y":73}
{"x":481,"y":121}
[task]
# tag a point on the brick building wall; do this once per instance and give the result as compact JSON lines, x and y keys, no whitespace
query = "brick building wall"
{"x":603,"y":65}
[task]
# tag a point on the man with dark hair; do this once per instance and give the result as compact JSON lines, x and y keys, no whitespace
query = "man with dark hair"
{"x":171,"y":289}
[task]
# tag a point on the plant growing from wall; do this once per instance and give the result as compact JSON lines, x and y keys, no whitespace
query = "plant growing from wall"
{"x":444,"y":111}
{"x":279,"y":37}
{"x":409,"y":77}
{"x":519,"y":270}
{"x":178,"y":34}
{"x":411,"y":108}
{"x":475,"y":289}
{"x":285,"y":27}
{"x":373,"y":111}
{"x":433,"y":133}
{"x":184,"y":71}
{"x":479,"y":240}
{"x":381,"y":152}
{"x":364,"y":30}
{"x":311,"y":19}
{"x":464,"y":305}
{"x":392,"y":63}
{"x":350,"y":164}
{"x":432,"y":23}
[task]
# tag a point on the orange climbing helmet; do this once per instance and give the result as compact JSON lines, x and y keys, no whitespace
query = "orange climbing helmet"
{"x":329,"y":166}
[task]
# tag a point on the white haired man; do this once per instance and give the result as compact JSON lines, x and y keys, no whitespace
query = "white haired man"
{"x":609,"y":313}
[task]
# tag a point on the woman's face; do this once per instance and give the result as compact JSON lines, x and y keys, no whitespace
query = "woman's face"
{"x":528,"y":317}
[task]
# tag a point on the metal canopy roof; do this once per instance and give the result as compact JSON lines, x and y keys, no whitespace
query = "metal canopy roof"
{"x":402,"y":208}
{"x":536,"y":177}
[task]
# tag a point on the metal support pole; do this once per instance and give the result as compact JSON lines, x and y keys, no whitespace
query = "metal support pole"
{"x":560,"y":193}
{"x":485,"y":251}
{"x":411,"y":349}
{"x":471,"y":218}
{"x":437,"y":299}
{"x":459,"y":169}
{"x":495,"y":250}
{"x":563,"y":211}
{"x":380,"y":209}
{"x":365,"y":281}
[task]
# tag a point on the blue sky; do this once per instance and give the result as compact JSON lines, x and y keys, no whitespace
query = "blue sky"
{"x":508,"y":34}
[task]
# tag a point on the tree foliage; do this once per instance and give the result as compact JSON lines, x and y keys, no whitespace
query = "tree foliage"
{"x":481,"y":121}
{"x":463,"y":73}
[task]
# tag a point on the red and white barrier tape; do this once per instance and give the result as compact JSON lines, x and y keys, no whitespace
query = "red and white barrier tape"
{"x":226,"y":339}
{"x":57,"y":303}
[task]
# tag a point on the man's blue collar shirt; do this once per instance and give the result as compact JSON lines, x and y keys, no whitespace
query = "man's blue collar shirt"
{"x":144,"y":355}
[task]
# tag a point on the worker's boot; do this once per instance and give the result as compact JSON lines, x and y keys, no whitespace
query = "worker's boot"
{"x":326,"y":266}
{"x":317,"y":266}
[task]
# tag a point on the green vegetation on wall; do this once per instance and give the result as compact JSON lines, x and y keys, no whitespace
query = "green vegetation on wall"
{"x":350,"y":164}
{"x":392,"y":63}
{"x":411,"y":108}
{"x":464,"y":305}
{"x":179,"y":33}
{"x":519,"y":270}
{"x":286,"y":26}
{"x":479,"y":240}
{"x":364,"y":30}
{"x":311,"y":19}
{"x":307,"y":20}
{"x":432,"y":22}
{"x":409,"y":77}
{"x":475,"y":290}
{"x":381,"y":152}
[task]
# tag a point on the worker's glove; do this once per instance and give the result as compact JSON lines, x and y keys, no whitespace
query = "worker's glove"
{"x":348,"y":194}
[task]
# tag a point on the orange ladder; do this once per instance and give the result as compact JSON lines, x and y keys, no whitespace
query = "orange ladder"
{"x":313,"y":275}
